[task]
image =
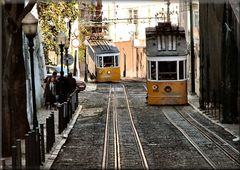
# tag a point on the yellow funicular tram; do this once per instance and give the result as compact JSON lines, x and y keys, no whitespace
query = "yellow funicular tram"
{"x":166,"y":50}
{"x":102,"y":59}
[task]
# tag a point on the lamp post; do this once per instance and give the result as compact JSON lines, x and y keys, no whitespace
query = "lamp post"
{"x":66,"y":53}
{"x":29,"y":26}
{"x":61,"y":40}
{"x":86,"y":66}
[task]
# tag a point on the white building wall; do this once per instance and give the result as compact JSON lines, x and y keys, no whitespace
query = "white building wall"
{"x":116,"y":14}
{"x":39,"y":71}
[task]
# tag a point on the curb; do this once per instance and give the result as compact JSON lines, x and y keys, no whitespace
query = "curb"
{"x":50,"y":159}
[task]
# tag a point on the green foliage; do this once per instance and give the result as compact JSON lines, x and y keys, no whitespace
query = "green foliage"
{"x":51,"y":16}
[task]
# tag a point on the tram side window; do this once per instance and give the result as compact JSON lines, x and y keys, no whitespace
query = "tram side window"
{"x":108,"y":61}
{"x":167,"y":70}
{"x":153,"y":70}
{"x":99,"y":61}
{"x":181,"y":73}
{"x":116,"y":61}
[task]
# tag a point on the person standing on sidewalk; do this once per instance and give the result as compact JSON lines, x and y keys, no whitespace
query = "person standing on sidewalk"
{"x":72,"y":84}
{"x":50,"y":91}
{"x":62,"y":88}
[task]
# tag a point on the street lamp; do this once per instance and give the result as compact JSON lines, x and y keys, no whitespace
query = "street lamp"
{"x":29,"y":26}
{"x":66,"y":53}
{"x":61,"y":40}
{"x":86,"y":66}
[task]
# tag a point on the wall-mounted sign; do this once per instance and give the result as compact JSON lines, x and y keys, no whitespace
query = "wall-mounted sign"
{"x":75,"y":43}
{"x":69,"y":58}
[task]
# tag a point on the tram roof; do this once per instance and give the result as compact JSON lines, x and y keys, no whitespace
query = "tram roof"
{"x":103,"y":46}
{"x":165,"y":27}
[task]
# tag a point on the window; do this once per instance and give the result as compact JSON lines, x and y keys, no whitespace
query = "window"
{"x":153,"y":70}
{"x":116,"y":61}
{"x":181,"y":73}
{"x":130,"y":16}
{"x":135,"y":16}
{"x":161,"y":42}
{"x":171,"y":42}
{"x":108,"y":61}
{"x":167,"y":70}
{"x":99,"y":64}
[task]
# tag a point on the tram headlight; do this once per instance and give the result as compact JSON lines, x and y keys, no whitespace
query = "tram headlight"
{"x":168,"y":89}
{"x":155,"y":87}
{"x":109,"y":72}
{"x":100,"y":71}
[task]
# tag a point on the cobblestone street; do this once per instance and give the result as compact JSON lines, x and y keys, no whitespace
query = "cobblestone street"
{"x":163,"y":144}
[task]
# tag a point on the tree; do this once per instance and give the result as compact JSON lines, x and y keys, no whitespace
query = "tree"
{"x":14,"y":112}
{"x":51,"y":15}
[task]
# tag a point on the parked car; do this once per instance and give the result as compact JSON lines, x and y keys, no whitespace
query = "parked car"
{"x":81,"y":85}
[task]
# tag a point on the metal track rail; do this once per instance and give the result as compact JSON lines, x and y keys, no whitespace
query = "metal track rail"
{"x":140,"y":148}
{"x":116,"y":135}
{"x":210,"y":162}
{"x":106,"y":135}
{"x":113,"y":124}
{"x":227,"y":149}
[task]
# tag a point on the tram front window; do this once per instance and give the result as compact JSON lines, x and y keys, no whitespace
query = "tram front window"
{"x":108,"y":61}
{"x":167,"y":70}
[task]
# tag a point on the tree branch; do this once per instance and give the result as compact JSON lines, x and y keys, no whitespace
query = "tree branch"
{"x":26,"y":10}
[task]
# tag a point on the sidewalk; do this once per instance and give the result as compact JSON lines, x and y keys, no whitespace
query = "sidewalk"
{"x":60,"y":139}
{"x":231,"y":128}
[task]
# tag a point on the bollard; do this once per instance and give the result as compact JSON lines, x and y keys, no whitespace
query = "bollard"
{"x":60,"y":119}
{"x":72,"y":105}
{"x":14,"y":157}
{"x":76,"y":100}
{"x":27,"y":151}
{"x":68,"y":109}
{"x":19,"y":154}
{"x":38,"y":153}
{"x":65,"y":114}
{"x":53,"y":127}
{"x":48,"y":135}
{"x":33,"y":148}
{"x":42,"y":143}
{"x":50,"y":132}
{"x":3,"y":162}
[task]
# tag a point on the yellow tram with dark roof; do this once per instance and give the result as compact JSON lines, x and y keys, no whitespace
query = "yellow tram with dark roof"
{"x":102,"y":58}
{"x":166,"y":50}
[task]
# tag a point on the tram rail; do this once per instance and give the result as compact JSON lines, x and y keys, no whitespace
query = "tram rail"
{"x":221,"y":143}
{"x":182,"y":121}
{"x":114,"y":127}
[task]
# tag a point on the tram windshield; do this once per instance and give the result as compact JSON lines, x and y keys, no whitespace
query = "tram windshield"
{"x":107,"y":61}
{"x":167,"y":70}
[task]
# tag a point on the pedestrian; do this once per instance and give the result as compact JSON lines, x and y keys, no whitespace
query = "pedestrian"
{"x":50,"y":91}
{"x":72,"y":84}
